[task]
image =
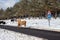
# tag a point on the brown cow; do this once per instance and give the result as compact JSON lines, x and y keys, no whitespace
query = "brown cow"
{"x":20,"y":22}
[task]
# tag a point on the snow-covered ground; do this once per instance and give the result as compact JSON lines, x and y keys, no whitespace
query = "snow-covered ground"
{"x":11,"y":35}
{"x":31,"y":23}
{"x":39,"y":23}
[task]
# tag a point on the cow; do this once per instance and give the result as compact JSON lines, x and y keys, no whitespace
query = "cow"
{"x":20,"y":22}
{"x":12,"y":20}
{"x":2,"y":22}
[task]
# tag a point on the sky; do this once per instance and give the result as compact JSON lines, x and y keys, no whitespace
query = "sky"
{"x":7,"y":3}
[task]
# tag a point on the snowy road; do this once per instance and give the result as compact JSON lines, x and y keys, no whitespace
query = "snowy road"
{"x":36,"y":29}
{"x":39,"y":23}
{"x":11,"y":35}
{"x":27,"y":34}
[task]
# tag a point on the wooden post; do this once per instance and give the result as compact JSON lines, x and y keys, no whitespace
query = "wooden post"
{"x":55,"y":15}
{"x":49,"y":22}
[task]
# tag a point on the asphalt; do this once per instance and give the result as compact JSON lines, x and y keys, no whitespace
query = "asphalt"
{"x":50,"y":35}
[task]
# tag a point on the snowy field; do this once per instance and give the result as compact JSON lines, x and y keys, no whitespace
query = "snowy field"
{"x":11,"y":35}
{"x":39,"y":23}
{"x":31,"y":23}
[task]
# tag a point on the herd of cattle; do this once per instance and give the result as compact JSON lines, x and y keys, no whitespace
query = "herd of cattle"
{"x":3,"y":22}
{"x":20,"y":22}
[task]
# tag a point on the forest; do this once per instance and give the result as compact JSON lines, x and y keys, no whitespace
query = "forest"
{"x":31,"y":8}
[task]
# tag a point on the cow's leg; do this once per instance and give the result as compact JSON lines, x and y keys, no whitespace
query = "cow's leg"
{"x":19,"y":26}
{"x":25,"y":24}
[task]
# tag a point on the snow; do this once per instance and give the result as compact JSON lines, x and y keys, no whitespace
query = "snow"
{"x":44,"y":22}
{"x":31,"y":23}
{"x":11,"y":35}
{"x":38,"y":23}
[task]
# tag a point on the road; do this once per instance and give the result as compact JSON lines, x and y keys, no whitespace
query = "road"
{"x":50,"y":35}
